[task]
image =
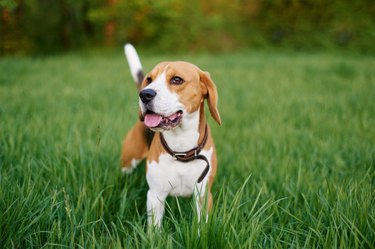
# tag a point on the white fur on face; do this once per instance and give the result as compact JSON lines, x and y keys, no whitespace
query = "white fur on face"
{"x":185,"y":136}
{"x":165,"y":102}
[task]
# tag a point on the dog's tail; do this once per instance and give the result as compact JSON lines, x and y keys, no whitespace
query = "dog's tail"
{"x":134,"y":64}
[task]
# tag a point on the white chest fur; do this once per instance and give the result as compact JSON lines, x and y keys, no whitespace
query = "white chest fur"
{"x":171,"y":177}
{"x":167,"y":176}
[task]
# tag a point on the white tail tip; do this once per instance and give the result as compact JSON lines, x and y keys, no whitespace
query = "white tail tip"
{"x":133,"y":61}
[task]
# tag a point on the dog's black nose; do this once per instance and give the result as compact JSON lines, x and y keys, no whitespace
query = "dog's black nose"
{"x":147,"y":95}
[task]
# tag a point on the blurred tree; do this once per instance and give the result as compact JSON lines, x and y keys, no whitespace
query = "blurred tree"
{"x":110,"y":26}
{"x":12,"y":39}
{"x":44,"y":26}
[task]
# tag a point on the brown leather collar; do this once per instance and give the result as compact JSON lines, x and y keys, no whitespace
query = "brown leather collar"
{"x":189,"y":155}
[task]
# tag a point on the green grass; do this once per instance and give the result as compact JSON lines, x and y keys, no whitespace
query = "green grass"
{"x":296,"y":154}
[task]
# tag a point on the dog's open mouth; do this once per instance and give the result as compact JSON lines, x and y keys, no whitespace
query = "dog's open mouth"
{"x":154,"y":120}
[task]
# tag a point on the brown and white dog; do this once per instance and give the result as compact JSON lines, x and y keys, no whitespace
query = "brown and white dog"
{"x":181,"y":157}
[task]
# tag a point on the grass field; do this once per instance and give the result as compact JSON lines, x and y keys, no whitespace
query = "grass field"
{"x":296,"y":154}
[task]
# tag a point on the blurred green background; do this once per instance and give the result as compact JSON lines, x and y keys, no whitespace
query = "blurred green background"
{"x":50,"y":26}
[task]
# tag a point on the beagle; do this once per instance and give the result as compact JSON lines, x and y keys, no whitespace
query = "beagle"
{"x":172,"y":134}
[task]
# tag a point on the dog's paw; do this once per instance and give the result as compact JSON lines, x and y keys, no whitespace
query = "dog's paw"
{"x":127,"y":170}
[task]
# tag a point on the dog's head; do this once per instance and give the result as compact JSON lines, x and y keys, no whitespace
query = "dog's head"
{"x":174,"y":90}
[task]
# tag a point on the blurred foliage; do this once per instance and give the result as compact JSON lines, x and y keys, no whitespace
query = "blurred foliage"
{"x":43,"y":26}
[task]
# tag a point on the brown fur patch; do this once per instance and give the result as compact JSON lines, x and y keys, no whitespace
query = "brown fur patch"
{"x":134,"y":145}
{"x":156,"y":149}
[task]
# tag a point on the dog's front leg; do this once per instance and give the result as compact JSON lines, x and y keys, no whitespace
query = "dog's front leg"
{"x":203,"y":200}
{"x":155,"y":207}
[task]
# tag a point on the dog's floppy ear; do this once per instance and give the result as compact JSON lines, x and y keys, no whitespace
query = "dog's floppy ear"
{"x":211,"y":95}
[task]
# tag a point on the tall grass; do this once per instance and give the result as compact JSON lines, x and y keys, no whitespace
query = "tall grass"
{"x":296,"y":154}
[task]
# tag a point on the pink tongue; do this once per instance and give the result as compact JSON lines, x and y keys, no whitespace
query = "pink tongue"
{"x":152,"y":120}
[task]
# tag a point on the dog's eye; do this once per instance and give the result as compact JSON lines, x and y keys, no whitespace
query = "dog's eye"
{"x":149,"y":80}
{"x":176,"y":80}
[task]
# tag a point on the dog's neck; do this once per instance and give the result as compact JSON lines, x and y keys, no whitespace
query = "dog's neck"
{"x":189,"y":133}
